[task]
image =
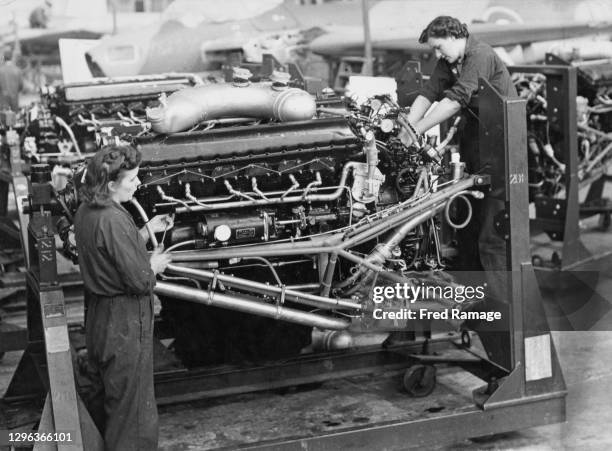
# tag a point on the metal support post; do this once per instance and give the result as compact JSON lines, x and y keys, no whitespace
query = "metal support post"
{"x":535,"y":368}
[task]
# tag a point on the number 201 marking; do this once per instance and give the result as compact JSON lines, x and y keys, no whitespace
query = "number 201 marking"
{"x":517,"y":178}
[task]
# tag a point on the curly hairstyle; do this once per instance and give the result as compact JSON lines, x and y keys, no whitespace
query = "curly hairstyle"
{"x":107,"y":165}
{"x":444,"y":27}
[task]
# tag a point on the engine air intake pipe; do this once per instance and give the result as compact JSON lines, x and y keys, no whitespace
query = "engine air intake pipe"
{"x":185,"y":108}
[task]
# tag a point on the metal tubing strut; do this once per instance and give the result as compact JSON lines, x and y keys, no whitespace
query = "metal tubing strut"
{"x":292,"y":295}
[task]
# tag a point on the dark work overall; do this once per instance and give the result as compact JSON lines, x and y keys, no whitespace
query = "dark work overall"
{"x":119,"y":334}
{"x":119,"y":326}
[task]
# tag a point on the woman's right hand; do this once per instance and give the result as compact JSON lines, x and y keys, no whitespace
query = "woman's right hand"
{"x":159,"y":260}
{"x":161,"y":223}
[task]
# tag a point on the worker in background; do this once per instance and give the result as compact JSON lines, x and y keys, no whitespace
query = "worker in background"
{"x":462,"y":60}
{"x":39,"y":17}
{"x":119,"y":276}
{"x":11,"y":81}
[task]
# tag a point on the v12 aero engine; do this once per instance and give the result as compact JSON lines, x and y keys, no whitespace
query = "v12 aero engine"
{"x":287,"y":212}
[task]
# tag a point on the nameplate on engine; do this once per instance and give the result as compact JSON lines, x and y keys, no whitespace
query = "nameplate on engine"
{"x":245,"y":233}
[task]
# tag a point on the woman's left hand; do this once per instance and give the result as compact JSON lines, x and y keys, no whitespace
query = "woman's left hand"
{"x":161,"y":223}
{"x":407,"y":137}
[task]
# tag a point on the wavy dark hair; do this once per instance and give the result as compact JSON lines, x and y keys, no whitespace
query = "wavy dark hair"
{"x":106,"y":166}
{"x":444,"y":27}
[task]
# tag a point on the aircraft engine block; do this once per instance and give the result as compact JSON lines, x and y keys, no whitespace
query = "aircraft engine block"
{"x":284,"y":226}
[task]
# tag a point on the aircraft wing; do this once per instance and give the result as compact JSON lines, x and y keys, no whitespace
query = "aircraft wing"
{"x":44,"y":41}
{"x":522,"y":34}
{"x":348,"y":42}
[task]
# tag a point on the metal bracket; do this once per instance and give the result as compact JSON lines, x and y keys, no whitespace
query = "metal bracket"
{"x":502,"y":224}
{"x":280,"y":301}
{"x":212,"y":286}
{"x":483,"y":180}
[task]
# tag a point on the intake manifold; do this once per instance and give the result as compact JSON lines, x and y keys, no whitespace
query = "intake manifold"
{"x":185,"y":108}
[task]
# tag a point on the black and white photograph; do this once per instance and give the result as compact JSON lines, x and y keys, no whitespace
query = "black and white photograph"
{"x":305,"y":225}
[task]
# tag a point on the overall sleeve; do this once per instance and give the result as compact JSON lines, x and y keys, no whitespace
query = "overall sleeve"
{"x":478,"y":65}
{"x":438,"y":82}
{"x":126,"y":249}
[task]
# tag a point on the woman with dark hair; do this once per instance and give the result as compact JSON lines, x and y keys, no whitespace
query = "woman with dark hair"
{"x":119,"y":277}
{"x":462,"y":60}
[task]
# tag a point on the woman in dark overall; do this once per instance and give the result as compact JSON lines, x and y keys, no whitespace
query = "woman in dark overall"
{"x":462,"y":60}
{"x":119,"y":276}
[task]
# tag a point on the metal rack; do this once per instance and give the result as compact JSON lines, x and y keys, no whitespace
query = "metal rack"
{"x":559,"y":217}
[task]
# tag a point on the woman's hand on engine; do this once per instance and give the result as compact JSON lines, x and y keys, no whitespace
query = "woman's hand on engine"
{"x":161,"y":223}
{"x":407,"y":137}
{"x":407,"y":134}
{"x":159,"y":260}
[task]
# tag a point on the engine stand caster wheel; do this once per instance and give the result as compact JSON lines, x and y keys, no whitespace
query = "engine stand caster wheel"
{"x":604,"y":221}
{"x":420,"y":380}
{"x":536,"y":260}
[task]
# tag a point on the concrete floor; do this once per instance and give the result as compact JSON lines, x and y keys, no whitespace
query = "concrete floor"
{"x":585,"y":359}
{"x":586,"y":362}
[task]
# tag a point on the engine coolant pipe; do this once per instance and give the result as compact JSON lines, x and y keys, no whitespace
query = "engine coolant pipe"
{"x":187,"y":107}
{"x":382,"y":252}
{"x":232,"y":302}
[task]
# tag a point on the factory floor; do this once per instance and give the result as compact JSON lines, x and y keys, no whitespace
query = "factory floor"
{"x":585,"y":355}
{"x":585,"y":359}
